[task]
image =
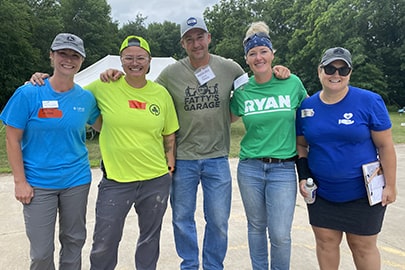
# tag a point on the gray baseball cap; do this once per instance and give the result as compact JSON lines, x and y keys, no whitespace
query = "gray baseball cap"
{"x":68,"y":41}
{"x":337,"y":53}
{"x":192,"y":23}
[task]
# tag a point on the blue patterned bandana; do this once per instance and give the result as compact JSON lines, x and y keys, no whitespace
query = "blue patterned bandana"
{"x":255,"y":40}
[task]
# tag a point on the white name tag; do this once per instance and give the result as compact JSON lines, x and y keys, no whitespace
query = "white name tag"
{"x":204,"y":74}
{"x":307,"y":113}
{"x":49,"y":104}
{"x":241,"y":80}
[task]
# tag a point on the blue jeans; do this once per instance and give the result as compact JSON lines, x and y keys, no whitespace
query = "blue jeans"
{"x":216,"y":181}
{"x":268,"y":192}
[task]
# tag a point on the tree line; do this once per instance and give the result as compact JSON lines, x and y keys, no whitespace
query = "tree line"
{"x":374,"y":31}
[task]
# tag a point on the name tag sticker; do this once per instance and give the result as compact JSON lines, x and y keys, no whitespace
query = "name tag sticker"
{"x":241,"y":80}
{"x":307,"y":113}
{"x":50,"y":104}
{"x":50,"y":113}
{"x":204,"y":74}
{"x":135,"y":104}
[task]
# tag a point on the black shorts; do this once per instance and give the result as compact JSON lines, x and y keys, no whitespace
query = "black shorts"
{"x":356,"y":217}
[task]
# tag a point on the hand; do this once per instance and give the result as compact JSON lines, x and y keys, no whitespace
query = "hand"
{"x":111,"y":75}
{"x":24,"y":192}
{"x":281,"y":72}
{"x":389,"y":195}
{"x":303,"y":191}
{"x":38,"y":78}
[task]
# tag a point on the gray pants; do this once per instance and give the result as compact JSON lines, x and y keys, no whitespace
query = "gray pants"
{"x":114,"y":201}
{"x":40,"y":219}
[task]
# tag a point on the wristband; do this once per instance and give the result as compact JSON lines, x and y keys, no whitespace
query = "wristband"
{"x":171,"y":169}
{"x":303,"y":168}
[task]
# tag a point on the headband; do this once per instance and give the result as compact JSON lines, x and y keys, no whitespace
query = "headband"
{"x":255,"y":40}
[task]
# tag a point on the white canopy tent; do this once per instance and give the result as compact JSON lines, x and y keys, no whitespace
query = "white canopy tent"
{"x":92,"y":73}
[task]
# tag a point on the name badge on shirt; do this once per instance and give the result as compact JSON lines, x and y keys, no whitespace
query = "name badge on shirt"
{"x":50,"y":109}
{"x":307,"y":113}
{"x":204,"y":74}
{"x":241,"y":80}
{"x":50,"y":113}
{"x":48,"y":104}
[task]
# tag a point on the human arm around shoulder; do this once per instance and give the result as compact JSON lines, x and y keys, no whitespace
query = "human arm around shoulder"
{"x":38,"y":78}
{"x":281,"y":72}
{"x":386,"y":151}
{"x":22,"y":189}
{"x":111,"y":75}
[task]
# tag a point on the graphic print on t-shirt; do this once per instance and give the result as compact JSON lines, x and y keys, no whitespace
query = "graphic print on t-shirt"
{"x":201,"y":97}
{"x":268,"y":104}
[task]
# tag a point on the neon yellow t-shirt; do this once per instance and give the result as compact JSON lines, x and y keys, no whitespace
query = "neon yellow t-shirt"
{"x":134,"y":122}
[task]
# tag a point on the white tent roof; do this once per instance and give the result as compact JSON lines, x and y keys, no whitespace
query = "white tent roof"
{"x":92,"y":73}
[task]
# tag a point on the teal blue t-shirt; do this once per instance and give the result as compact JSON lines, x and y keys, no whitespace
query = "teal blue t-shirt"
{"x":54,"y":139}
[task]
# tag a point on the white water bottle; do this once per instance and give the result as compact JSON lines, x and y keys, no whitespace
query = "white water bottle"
{"x":310,"y":187}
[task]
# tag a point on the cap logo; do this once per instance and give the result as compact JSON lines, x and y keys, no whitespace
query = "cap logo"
{"x":70,"y":38}
{"x":339,"y":51}
{"x":192,"y":21}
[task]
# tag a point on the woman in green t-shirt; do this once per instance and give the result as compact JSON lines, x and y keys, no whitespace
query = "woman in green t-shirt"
{"x":266,"y":170}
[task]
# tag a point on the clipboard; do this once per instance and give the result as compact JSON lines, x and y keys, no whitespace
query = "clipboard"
{"x":374,"y":181}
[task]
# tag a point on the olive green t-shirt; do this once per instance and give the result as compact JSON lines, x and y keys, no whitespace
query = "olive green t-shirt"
{"x":202,"y":110}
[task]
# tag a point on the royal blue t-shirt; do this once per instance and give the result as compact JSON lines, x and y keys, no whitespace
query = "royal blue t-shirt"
{"x":339,"y":139}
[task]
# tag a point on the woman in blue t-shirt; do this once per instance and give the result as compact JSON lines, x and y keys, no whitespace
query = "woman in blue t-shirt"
{"x":46,"y":134}
{"x":339,"y":129}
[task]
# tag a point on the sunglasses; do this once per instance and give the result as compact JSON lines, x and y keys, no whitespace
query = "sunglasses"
{"x":258,"y":34}
{"x":330,"y":70}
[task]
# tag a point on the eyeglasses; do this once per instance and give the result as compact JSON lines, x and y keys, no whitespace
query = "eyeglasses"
{"x":330,"y":70}
{"x":129,"y":59}
{"x":258,"y":34}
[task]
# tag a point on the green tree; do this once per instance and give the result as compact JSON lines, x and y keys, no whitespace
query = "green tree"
{"x":384,"y":34}
{"x":164,"y":39}
{"x":19,"y":56}
{"x":46,"y":24}
{"x":227,"y":23}
{"x":369,"y":29}
{"x":273,"y":13}
{"x":91,"y":20}
{"x":136,"y":28}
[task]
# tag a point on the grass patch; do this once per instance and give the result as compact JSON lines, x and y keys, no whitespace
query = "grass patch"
{"x":237,"y":131}
{"x":398,"y":131}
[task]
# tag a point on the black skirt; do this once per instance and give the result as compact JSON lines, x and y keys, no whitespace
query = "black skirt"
{"x":356,"y":217}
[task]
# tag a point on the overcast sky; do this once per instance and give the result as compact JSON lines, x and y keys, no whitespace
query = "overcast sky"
{"x":158,"y":10}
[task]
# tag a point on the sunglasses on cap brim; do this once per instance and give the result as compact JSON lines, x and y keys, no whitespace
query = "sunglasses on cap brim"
{"x":258,"y":34}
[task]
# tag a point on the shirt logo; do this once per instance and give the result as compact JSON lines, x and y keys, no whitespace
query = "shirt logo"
{"x":202,"y":97}
{"x":267,"y":104}
{"x":346,"y":120}
{"x":154,"y":109}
